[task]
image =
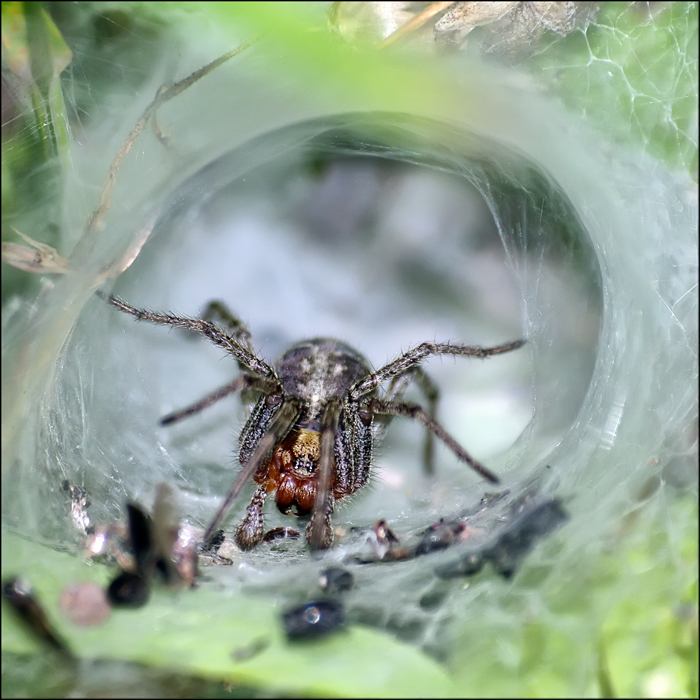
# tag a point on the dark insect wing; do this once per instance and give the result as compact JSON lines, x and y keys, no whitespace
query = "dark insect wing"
{"x":29,"y":609}
{"x":140,"y":536}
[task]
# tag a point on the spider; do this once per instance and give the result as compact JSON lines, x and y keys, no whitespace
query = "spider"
{"x":310,"y":434}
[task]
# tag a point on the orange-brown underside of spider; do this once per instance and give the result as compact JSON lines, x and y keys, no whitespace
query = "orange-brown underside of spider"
{"x":291,"y":472}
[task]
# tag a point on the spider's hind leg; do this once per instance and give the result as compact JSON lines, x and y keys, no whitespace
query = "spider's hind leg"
{"x":408,"y":365}
{"x":396,"y":390}
{"x":432,"y":394}
{"x":413,"y":410}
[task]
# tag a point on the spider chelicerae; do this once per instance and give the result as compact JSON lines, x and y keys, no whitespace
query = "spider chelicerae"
{"x":310,"y":435}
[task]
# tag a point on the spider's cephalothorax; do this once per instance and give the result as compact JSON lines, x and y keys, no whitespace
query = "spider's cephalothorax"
{"x":310,"y":435}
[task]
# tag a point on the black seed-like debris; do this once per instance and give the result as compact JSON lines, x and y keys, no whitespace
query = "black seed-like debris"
{"x":129,"y":590}
{"x":513,"y":544}
{"x":335,"y":580}
{"x":520,"y":537}
{"x":313,"y":620}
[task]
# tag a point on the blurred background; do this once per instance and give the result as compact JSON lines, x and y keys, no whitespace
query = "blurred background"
{"x":384,"y":173}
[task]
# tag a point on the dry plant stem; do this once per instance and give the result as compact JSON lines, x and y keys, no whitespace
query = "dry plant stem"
{"x":418,"y":21}
{"x":38,"y":258}
{"x":46,"y":260}
{"x":96,"y":220}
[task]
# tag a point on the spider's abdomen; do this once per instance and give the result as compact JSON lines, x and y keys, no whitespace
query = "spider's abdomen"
{"x":318,"y":370}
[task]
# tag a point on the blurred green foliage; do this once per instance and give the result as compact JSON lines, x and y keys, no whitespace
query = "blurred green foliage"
{"x":634,"y":75}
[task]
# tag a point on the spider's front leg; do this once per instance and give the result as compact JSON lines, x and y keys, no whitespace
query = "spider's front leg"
{"x":321,"y":523}
{"x":209,"y":330}
{"x":251,"y":530}
{"x":217,"y":312}
{"x":319,"y":532}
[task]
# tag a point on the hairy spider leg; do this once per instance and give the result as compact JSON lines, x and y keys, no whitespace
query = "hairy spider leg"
{"x":250,"y":531}
{"x":396,"y":390}
{"x":413,"y":410}
{"x":258,"y":375}
{"x":242,"y":382}
{"x":413,"y":357}
{"x":210,"y":330}
{"x":217,"y":312}
{"x":406,"y":364}
{"x":264,"y":375}
{"x":319,"y":532}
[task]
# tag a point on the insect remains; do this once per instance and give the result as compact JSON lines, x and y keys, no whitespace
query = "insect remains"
{"x":310,"y":435}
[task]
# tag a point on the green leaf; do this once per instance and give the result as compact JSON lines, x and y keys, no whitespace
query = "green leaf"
{"x":202,"y":632}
